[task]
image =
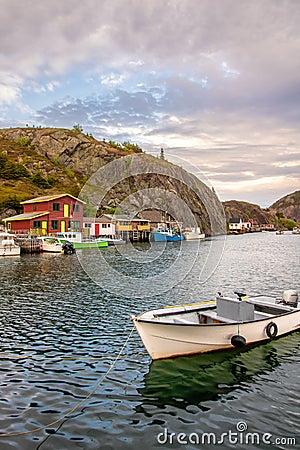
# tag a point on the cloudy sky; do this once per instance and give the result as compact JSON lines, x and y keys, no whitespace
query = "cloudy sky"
{"x":215,"y":82}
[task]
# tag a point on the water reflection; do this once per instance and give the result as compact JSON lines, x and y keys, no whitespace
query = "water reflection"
{"x":193,"y":380}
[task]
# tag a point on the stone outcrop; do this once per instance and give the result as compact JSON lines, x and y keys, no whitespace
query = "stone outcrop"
{"x":288,"y":206}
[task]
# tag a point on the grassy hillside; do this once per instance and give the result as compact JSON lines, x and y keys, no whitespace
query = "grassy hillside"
{"x":26,"y":173}
{"x":41,"y":161}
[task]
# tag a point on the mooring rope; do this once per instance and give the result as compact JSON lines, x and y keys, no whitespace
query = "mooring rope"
{"x":71,"y":411}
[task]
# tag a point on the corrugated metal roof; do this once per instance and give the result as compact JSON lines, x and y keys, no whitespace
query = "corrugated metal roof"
{"x":26,"y":216}
{"x":48,"y":198}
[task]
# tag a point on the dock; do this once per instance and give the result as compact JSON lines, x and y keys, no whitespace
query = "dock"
{"x":28,"y":244}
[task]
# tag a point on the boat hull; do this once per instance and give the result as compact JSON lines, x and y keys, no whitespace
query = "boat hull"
{"x":10,"y":251}
{"x":193,"y":236}
{"x":167,"y":237}
{"x":52,"y":248}
{"x":78,"y":245}
{"x":163,"y":340}
{"x":175,"y":238}
{"x":159,"y":237}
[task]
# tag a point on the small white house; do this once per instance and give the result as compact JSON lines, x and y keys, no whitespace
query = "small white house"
{"x":93,"y":226}
{"x":236,"y":224}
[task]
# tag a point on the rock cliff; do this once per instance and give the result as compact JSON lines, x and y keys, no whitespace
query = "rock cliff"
{"x":288,"y":206}
{"x":47,"y":160}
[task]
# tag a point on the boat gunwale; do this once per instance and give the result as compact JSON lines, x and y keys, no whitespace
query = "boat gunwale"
{"x":266,"y":319}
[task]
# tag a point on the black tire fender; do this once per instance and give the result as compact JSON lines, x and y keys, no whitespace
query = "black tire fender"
{"x":238,"y":341}
{"x":271,"y":330}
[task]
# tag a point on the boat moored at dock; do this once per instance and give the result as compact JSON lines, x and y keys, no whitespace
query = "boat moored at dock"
{"x":8,"y":246}
{"x":193,"y":234}
{"x":50,"y":244}
{"x":217,"y":325}
{"x":162,"y":234}
{"x":79,"y":241}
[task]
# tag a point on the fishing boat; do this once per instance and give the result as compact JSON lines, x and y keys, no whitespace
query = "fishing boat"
{"x":50,"y":244}
{"x":79,"y":241}
{"x":112,"y":240}
{"x":193,"y":234}
{"x":217,"y":325}
{"x":162,"y":234}
{"x":8,"y":247}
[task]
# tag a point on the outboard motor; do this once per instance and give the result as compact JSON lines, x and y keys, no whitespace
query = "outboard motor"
{"x":290,"y":298}
{"x":68,"y":248}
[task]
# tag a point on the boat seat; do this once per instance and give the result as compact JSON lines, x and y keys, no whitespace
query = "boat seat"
{"x":262,"y":315}
{"x":213,"y":315}
{"x":273,"y":306}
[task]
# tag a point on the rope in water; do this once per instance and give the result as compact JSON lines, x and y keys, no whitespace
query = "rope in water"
{"x":71,"y":411}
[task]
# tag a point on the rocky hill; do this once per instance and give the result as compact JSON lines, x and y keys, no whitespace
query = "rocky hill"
{"x":246,"y":211}
{"x":283,"y":214}
{"x":36,"y":161}
{"x":40,"y":161}
{"x":288,"y":206}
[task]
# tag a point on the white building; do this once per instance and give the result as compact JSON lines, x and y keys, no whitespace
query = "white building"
{"x":236,"y":224}
{"x":93,"y":226}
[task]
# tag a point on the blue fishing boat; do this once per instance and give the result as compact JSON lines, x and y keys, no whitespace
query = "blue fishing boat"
{"x":162,"y":234}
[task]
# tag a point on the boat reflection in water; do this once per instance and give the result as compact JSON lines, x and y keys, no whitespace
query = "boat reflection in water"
{"x":193,"y":380}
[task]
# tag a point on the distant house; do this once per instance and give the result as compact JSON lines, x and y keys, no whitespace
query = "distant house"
{"x":132,"y":228}
{"x":268,"y":227}
{"x":48,"y":215}
{"x":99,"y":226}
{"x":238,"y":225}
{"x":155,"y":217}
{"x":159,"y":218}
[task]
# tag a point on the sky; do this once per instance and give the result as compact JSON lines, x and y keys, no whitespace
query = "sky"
{"x":214,"y":82}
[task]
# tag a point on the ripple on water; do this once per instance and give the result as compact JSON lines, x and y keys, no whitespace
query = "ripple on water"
{"x":62,"y":332}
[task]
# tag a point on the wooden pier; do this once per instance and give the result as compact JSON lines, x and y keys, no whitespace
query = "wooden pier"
{"x":28,"y":244}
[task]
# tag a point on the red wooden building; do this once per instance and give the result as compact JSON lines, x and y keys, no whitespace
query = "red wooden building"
{"x":48,"y":215}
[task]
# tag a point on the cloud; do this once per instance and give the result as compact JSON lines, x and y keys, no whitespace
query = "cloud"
{"x":217,"y":81}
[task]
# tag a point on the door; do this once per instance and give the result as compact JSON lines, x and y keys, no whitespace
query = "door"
{"x":97,"y":229}
{"x":63,"y":226}
{"x":44,"y":227}
{"x":66,"y":210}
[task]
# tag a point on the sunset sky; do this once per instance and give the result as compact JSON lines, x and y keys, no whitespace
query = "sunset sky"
{"x":215,"y":82}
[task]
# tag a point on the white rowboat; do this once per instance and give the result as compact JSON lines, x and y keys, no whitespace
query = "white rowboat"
{"x":218,"y":325}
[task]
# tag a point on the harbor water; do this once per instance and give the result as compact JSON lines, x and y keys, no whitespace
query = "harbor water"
{"x":75,"y":375}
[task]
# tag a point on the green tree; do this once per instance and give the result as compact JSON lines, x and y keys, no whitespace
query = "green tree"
{"x":78,"y":128}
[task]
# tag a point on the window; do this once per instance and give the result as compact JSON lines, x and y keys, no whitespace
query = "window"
{"x":37,"y":224}
{"x":76,"y":207}
{"x":87,"y":225}
{"x":104,"y":225}
{"x":34,"y":207}
{"x":56,"y":206}
{"x":54,"y":224}
{"x":76,"y":225}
